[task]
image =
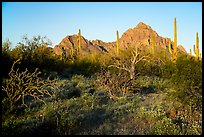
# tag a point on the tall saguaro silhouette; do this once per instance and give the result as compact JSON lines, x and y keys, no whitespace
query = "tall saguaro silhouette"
{"x":79,"y":41}
{"x":117,"y":43}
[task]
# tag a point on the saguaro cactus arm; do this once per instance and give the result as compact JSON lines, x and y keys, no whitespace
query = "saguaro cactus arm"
{"x":190,"y":52}
{"x":170,"y":50}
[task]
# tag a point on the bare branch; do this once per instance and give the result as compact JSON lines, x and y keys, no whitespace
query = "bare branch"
{"x":19,"y":85}
{"x":122,"y":68}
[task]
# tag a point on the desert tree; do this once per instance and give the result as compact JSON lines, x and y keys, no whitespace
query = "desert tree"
{"x":129,"y":65}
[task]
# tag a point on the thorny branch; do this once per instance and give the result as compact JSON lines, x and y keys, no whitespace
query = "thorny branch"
{"x":24,"y":84}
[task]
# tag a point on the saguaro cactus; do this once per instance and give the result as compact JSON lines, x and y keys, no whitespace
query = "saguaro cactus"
{"x":175,"y":41}
{"x":174,"y":51}
{"x":175,"y":34}
{"x":153,"y":43}
{"x":79,"y":41}
{"x":117,"y":43}
{"x":71,"y":52}
{"x":196,"y":47}
{"x":190,"y":52}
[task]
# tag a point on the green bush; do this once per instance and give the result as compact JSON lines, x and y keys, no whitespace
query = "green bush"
{"x":6,"y":58}
{"x":186,"y":78}
{"x":188,"y":71}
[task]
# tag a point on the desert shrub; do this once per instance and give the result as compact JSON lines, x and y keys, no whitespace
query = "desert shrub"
{"x":68,"y":91}
{"x":118,"y":78}
{"x":73,"y":115}
{"x":166,"y":127}
{"x":188,"y":71}
{"x":36,"y":53}
{"x":77,"y":86}
{"x":185,"y":71}
{"x":152,"y":68}
{"x":116,"y":84}
{"x":159,"y":83}
{"x":186,"y":78}
{"x":178,"y":126}
{"x":57,"y":117}
{"x":158,"y":123}
{"x":22,"y":85}
{"x":6,"y":58}
{"x":84,"y":67}
{"x":168,"y":69}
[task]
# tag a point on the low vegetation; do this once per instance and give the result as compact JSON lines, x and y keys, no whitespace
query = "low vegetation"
{"x":133,"y":92}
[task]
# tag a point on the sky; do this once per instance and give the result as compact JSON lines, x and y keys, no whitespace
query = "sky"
{"x":100,"y":20}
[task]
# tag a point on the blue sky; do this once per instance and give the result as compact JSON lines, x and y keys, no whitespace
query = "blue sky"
{"x":100,"y":20}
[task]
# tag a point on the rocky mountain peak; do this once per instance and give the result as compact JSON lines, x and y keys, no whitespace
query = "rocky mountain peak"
{"x":142,"y":25}
{"x":140,"y":35}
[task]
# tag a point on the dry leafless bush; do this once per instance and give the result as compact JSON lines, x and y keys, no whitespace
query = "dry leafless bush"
{"x":116,"y":84}
{"x":24,"y":84}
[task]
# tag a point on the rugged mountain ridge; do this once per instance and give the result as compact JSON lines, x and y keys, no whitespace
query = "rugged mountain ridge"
{"x":139,"y":35}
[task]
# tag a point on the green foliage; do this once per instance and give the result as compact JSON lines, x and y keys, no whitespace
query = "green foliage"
{"x":73,"y":87}
{"x":188,"y":72}
{"x":159,"y":83}
{"x":6,"y":58}
{"x":186,"y":78}
{"x":83,"y":67}
{"x":35,"y":53}
{"x":93,"y":98}
{"x":167,"y":126}
{"x":93,"y":112}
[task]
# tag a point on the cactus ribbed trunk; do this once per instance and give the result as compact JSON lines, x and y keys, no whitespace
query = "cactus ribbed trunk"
{"x":174,"y":51}
{"x":153,"y":44}
{"x":117,"y":43}
{"x":196,"y":47}
{"x":175,"y":41}
{"x":175,"y":33}
{"x":79,"y":41}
